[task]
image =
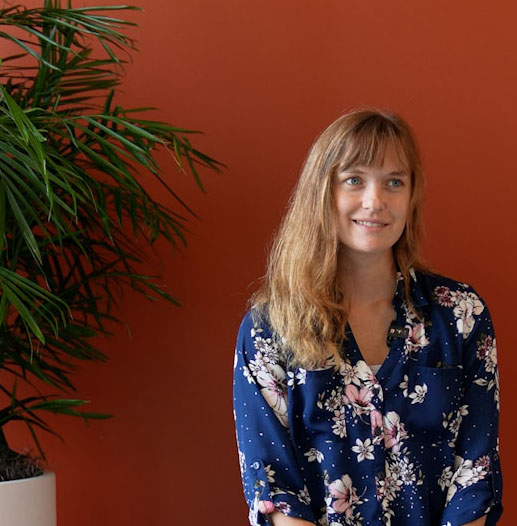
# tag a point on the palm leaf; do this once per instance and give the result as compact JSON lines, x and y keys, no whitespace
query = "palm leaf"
{"x":74,"y":207}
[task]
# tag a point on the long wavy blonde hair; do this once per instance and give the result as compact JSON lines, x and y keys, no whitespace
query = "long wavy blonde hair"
{"x":300,"y":295}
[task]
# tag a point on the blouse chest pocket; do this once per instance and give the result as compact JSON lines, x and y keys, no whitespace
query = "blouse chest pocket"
{"x":433,"y":395}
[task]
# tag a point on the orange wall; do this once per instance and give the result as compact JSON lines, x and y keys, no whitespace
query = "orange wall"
{"x":262,"y":79}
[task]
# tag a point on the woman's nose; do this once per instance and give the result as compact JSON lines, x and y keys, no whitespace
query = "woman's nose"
{"x":373,"y":198}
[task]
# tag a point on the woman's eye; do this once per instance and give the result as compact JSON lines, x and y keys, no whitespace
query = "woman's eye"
{"x":396,"y":182}
{"x":354,"y":181}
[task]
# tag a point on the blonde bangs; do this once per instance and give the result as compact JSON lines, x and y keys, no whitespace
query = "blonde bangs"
{"x":370,"y":149}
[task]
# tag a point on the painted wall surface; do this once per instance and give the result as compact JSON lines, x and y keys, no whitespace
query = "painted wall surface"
{"x":261,"y":79}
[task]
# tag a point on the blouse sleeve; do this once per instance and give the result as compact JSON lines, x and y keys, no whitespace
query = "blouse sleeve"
{"x":269,"y":468}
{"x":475,"y":483}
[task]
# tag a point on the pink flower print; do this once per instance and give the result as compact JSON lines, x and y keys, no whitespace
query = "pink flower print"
{"x":484,"y":345}
{"x":417,"y":336}
{"x":376,"y":425}
{"x":443,"y":296}
{"x":344,"y":494}
{"x":483,"y":463}
{"x":360,"y":400}
{"x":284,"y":507}
{"x":394,"y":431}
{"x":273,"y":389}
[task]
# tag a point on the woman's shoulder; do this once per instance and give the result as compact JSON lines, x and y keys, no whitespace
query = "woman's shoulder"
{"x":256,"y":321}
{"x":258,"y":341}
{"x":439,"y":288}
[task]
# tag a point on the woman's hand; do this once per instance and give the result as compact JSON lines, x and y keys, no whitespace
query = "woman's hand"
{"x":279,"y":519}
{"x":477,"y":522}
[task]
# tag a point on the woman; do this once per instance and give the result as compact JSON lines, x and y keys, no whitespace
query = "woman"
{"x":365,"y":386}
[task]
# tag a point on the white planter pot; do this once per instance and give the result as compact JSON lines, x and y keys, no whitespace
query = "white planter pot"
{"x":29,"y":502}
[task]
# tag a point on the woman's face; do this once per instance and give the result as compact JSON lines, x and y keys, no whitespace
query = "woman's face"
{"x":372,"y":204}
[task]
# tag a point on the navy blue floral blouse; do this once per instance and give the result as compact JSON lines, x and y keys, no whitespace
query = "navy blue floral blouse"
{"x":414,"y":444}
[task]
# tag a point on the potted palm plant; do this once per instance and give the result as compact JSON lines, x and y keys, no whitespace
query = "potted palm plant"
{"x":73,"y":208}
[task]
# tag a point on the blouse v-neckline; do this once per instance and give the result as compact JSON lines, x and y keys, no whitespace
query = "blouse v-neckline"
{"x":393,"y":350}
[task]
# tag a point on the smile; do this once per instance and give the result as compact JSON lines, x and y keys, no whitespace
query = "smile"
{"x":368,"y":223}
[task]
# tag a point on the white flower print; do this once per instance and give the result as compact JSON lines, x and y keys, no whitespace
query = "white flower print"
{"x":416,"y":339}
{"x":313,"y":454}
{"x":399,"y":471}
{"x":451,"y":492}
{"x":301,"y":376}
{"x":350,"y":373}
{"x":418,"y":395}
{"x":487,"y":351}
{"x":491,"y":359}
{"x":468,"y":304}
{"x":394,"y":431}
{"x":272,"y":381}
{"x":260,"y":363}
{"x":445,"y":478}
{"x":389,"y":486}
{"x":402,"y":468}
{"x":404,"y":385}
{"x":364,"y":450}
{"x":304,"y":496}
{"x":270,"y":473}
{"x":344,"y":497}
{"x":334,"y":401}
{"x":452,"y":422}
{"x":467,"y":473}
{"x":267,"y":348}
{"x":248,"y":375}
{"x":339,"y":425}
{"x":296,"y":378}
{"x":365,"y":374}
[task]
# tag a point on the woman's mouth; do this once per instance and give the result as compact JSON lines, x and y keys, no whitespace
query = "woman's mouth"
{"x":369,"y":224}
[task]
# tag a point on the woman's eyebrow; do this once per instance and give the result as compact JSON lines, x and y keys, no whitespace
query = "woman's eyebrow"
{"x":360,"y":172}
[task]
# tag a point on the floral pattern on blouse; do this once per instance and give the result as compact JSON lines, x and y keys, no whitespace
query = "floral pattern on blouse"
{"x":415,"y":443}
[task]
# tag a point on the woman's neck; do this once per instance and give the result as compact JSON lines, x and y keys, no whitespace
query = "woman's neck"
{"x":367,"y":280}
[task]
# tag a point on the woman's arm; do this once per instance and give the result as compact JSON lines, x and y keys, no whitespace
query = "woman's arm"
{"x":270,"y":472}
{"x":474,"y":487}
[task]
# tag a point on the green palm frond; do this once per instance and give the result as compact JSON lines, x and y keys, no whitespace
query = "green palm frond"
{"x":74,"y":208}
